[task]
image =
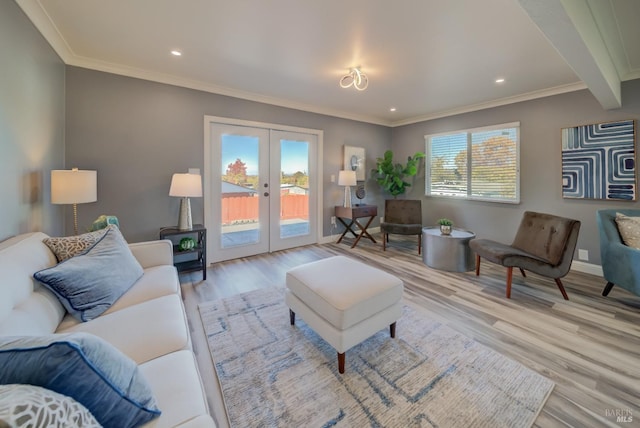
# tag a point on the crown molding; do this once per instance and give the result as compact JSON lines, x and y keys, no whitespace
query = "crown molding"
{"x":43,"y":22}
{"x":571,"y":87}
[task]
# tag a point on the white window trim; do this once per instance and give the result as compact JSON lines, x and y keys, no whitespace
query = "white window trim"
{"x":469,"y":131}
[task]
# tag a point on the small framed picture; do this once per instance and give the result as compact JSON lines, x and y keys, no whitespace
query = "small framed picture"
{"x":354,"y":160}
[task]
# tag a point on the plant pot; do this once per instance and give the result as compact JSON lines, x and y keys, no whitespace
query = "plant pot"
{"x":445,"y":230}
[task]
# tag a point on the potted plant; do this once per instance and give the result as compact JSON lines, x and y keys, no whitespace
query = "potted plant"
{"x":445,"y":226}
{"x":391,"y":177}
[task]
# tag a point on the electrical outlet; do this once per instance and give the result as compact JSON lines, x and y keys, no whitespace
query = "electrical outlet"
{"x":381,"y":219}
{"x":583,"y":255}
{"x":333,"y":220}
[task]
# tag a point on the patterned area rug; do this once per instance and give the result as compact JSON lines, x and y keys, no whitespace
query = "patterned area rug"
{"x":274,"y":374}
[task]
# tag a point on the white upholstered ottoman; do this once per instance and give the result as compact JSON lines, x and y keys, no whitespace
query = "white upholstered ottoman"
{"x":344,"y":301}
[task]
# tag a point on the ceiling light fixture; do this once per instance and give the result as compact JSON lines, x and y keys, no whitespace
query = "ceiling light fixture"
{"x":392,"y":109}
{"x":355,"y":78}
{"x":500,"y":80}
{"x":176,"y":53}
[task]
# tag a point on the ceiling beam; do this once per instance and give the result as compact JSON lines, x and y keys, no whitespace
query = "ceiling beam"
{"x":571,"y":28}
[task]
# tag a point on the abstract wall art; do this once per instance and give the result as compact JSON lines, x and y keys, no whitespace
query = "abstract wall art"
{"x":599,"y":161}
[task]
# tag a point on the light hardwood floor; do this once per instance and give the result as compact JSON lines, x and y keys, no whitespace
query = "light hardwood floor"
{"x":589,"y":346}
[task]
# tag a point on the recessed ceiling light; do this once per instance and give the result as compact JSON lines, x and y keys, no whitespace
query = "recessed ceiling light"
{"x":500,"y":80}
{"x":176,"y":53}
{"x":392,"y":109}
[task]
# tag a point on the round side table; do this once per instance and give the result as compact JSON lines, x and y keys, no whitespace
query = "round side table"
{"x":447,"y":252}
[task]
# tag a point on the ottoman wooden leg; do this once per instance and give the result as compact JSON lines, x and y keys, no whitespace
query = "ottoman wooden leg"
{"x":392,"y":330}
{"x":341,"y":362}
{"x":292,"y":317}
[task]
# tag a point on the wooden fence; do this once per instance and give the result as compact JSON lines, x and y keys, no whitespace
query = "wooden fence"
{"x":244,"y":209}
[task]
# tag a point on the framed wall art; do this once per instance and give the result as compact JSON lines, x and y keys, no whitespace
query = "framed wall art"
{"x":354,"y":160}
{"x":599,"y":161}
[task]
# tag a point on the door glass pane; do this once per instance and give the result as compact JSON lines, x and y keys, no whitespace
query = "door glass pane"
{"x":294,"y":188}
{"x":240,"y":191}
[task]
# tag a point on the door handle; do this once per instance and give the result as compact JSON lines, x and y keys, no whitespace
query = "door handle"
{"x":266,"y":193}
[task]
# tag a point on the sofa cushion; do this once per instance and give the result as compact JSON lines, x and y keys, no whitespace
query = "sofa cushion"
{"x":143,"y":331}
{"x":88,"y":284}
{"x":84,"y":367}
{"x":176,"y":383}
{"x":629,"y":228}
{"x":68,"y":246}
{"x":156,"y":282}
{"x":30,"y":405}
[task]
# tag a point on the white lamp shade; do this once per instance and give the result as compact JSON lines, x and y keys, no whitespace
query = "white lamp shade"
{"x":74,"y":186}
{"x":347,"y":178}
{"x":186,"y":185}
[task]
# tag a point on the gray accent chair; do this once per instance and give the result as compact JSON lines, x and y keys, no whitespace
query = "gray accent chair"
{"x":544,"y":244}
{"x":620,"y":263}
{"x":402,"y":217}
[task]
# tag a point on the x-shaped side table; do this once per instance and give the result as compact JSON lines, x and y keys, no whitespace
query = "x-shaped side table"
{"x":353,"y":214}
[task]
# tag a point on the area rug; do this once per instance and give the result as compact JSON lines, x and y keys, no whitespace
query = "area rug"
{"x":273,"y":374}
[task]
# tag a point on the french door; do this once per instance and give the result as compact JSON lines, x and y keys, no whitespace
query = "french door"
{"x":261,"y":188}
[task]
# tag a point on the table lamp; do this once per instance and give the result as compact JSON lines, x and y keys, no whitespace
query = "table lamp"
{"x":347,"y":179}
{"x":185,"y":186}
{"x":74,"y":186}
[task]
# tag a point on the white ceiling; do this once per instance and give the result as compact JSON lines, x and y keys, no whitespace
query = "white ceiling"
{"x":426,"y":58}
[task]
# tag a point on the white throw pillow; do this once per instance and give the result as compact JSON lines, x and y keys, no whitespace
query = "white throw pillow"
{"x":629,"y":228}
{"x":33,"y":406}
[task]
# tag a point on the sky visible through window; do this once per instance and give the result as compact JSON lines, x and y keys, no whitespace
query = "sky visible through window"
{"x":295,"y":154}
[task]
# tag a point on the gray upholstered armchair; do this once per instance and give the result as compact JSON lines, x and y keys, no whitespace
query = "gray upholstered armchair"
{"x":402,"y":217}
{"x":544,"y":244}
{"x":620,"y":263}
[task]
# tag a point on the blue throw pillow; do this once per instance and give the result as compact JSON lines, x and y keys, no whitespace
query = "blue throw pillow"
{"x":84,"y":367}
{"x":89,"y":283}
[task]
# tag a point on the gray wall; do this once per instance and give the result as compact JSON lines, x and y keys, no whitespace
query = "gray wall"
{"x":137,"y":133}
{"x":31,"y":126}
{"x":540,"y":164}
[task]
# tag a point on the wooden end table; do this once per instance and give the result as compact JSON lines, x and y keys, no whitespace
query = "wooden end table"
{"x":353,"y":214}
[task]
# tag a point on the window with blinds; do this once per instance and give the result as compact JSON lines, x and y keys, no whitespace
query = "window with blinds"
{"x":480,"y":164}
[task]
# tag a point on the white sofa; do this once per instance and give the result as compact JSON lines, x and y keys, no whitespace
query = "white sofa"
{"x":148,"y":323}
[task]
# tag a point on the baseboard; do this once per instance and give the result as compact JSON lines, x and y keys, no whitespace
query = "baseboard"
{"x":583,"y":267}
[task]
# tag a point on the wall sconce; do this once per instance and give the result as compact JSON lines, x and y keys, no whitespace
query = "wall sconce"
{"x":185,"y":186}
{"x":74,"y":187}
{"x":347,"y":179}
{"x":355,"y":78}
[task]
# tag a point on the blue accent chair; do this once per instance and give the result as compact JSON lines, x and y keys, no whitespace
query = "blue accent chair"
{"x":620,"y":263}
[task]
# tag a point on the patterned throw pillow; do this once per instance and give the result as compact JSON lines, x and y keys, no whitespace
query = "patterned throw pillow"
{"x":629,"y":228}
{"x":29,"y":406}
{"x":66,"y":247}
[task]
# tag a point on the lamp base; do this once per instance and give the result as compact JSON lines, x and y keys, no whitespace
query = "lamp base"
{"x":347,"y":197}
{"x":184,"y":221}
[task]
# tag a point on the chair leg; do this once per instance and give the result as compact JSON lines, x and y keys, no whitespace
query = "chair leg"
{"x":385,"y":239}
{"x":341,"y":362}
{"x":392,"y":330}
{"x":292,"y":317}
{"x":561,"y":287}
{"x":419,"y":244}
{"x":477,"y":265}
{"x":509,"y":278}
{"x":522,"y":272}
{"x":607,"y":288}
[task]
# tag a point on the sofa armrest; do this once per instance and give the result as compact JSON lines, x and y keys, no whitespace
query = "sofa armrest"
{"x":153,"y":253}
